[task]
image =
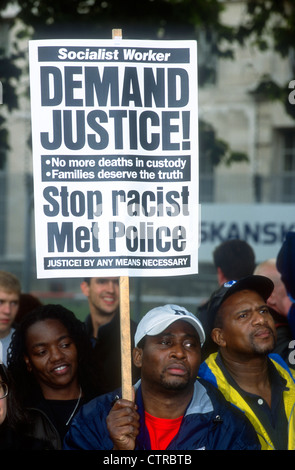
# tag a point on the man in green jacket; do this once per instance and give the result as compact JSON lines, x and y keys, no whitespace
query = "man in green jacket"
{"x":251,"y":378}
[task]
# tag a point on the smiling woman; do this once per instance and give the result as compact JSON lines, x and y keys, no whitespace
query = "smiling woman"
{"x":51,"y":361}
{"x":52,"y":357}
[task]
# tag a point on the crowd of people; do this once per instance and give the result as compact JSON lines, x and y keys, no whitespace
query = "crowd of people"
{"x":221,"y":378}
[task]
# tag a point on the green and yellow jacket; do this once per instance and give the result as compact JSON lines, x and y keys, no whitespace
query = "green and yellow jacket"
{"x":211,"y":372}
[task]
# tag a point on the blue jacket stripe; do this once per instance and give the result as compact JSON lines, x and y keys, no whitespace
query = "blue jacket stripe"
{"x":206,"y":374}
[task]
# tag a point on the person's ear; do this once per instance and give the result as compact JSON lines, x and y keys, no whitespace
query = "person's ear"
{"x":217,"y":336}
{"x":137,"y":354}
{"x":28,"y":364}
{"x":221,"y":279}
{"x":84,"y":286}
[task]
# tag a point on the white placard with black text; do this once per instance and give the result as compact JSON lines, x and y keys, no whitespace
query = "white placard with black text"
{"x":115,"y":157}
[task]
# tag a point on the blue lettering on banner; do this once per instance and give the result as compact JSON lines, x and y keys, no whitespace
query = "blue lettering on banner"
{"x":266,"y":233}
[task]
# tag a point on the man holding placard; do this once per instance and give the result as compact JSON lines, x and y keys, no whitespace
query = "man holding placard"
{"x":115,"y":160}
{"x":171,"y":410}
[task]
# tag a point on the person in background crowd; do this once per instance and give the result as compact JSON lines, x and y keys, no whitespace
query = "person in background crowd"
{"x":233,"y":259}
{"x":27,"y":303}
{"x":103,"y":327}
{"x":15,"y":426}
{"x":10,"y":291}
{"x":172,"y":409}
{"x":286,"y":266}
{"x":259,"y":383}
{"x":50,"y":359}
{"x":279,"y":304}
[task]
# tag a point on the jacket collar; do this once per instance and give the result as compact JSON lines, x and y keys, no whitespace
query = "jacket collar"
{"x":200,"y":402}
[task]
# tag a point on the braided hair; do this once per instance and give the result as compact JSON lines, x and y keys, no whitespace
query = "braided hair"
{"x":25,"y":381}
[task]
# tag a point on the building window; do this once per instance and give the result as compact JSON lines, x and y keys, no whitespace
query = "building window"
{"x":284,"y":182}
{"x":207,"y":58}
{"x":206,"y":166}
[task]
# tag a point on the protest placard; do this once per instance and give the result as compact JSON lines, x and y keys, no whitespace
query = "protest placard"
{"x":115,"y":157}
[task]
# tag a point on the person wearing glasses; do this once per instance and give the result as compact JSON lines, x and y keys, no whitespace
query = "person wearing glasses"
{"x":15,"y":429}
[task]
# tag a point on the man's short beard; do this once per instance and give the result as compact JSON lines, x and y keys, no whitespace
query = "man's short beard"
{"x":263,"y":350}
{"x":174,"y":384}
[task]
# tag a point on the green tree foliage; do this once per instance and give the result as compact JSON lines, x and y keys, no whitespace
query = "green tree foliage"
{"x":9,"y":76}
{"x":271,"y":23}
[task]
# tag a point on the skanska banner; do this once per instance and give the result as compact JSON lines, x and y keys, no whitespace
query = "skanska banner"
{"x":115,"y":157}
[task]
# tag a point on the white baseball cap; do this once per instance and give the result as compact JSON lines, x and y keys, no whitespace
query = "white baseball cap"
{"x":159,"y":318}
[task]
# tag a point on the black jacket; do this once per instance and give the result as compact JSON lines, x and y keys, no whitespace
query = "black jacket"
{"x":21,"y":439}
{"x":107,"y":352}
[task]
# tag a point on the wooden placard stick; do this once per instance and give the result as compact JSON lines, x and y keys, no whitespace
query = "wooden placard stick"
{"x":125,"y":339}
{"x":117,"y":33}
{"x":126,"y":368}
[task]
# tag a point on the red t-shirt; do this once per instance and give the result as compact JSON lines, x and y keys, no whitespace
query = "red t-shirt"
{"x":161,"y":430}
